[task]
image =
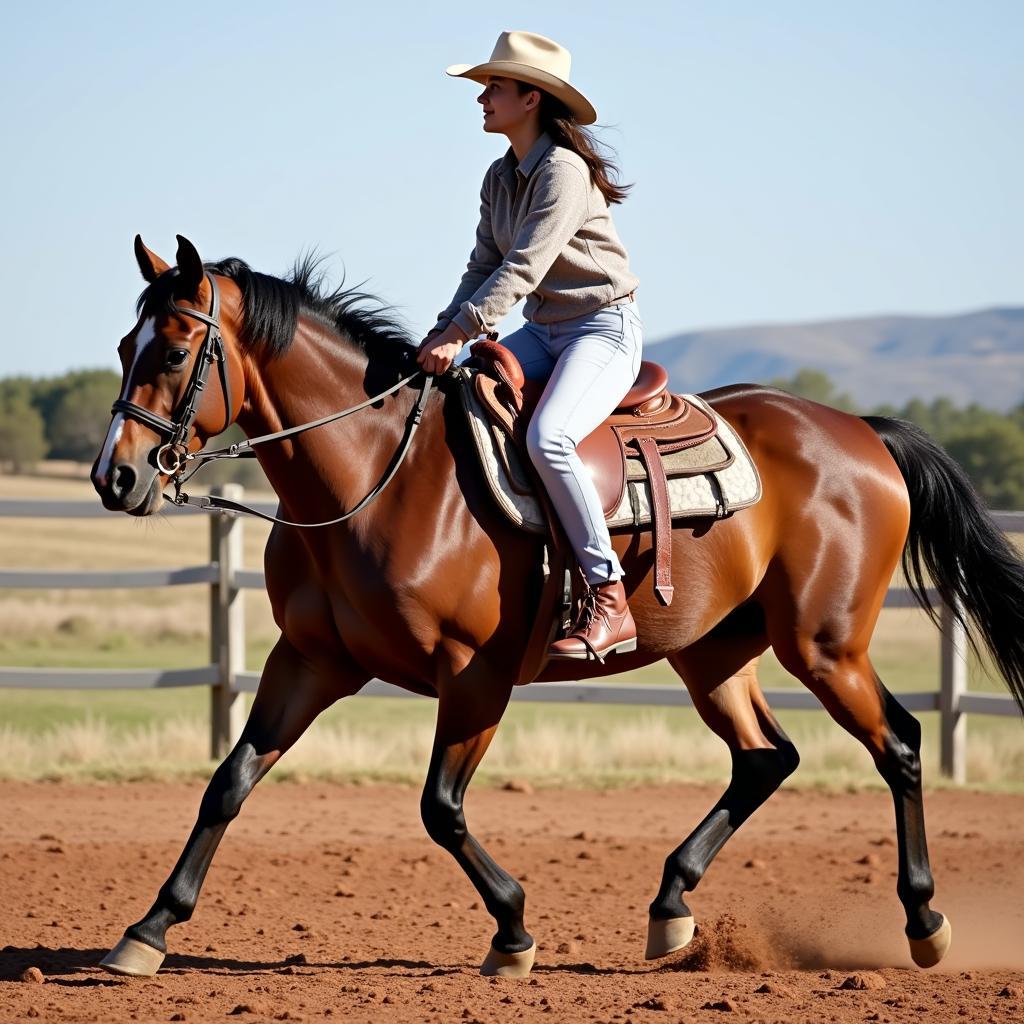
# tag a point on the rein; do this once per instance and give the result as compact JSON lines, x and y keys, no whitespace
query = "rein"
{"x":212,"y":350}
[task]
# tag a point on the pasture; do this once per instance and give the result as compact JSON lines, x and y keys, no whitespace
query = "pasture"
{"x":163,"y":734}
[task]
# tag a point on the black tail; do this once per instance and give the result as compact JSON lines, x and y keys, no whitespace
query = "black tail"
{"x":955,"y":543}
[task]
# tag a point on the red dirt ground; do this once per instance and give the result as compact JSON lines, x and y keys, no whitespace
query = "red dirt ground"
{"x":329,"y":903}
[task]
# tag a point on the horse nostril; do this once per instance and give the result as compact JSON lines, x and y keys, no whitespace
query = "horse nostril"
{"x":123,"y":480}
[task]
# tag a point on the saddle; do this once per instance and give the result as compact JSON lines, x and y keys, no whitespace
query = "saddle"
{"x":650,"y":422}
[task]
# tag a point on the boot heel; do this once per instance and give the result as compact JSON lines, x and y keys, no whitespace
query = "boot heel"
{"x":624,"y":647}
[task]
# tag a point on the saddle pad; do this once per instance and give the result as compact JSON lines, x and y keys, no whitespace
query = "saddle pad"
{"x":713,"y":492}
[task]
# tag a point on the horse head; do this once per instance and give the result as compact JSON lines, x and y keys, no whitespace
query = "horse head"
{"x":182,"y":379}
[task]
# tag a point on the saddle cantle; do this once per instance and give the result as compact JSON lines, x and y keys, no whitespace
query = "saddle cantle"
{"x":653,"y":435}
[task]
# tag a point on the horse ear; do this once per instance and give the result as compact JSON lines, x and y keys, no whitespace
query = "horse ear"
{"x":149,"y":263}
{"x":190,"y":268}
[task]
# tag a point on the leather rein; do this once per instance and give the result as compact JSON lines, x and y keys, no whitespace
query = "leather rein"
{"x":211,"y":350}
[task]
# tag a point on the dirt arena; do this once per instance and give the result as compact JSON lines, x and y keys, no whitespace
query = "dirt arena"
{"x":329,"y":902}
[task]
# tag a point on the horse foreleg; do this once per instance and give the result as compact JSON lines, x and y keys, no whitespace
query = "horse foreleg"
{"x":466,"y":723}
{"x":291,"y":694}
{"x":762,"y":757}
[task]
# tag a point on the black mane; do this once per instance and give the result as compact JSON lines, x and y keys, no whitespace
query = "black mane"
{"x":272,"y":306}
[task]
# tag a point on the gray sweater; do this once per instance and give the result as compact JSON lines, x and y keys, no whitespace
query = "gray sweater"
{"x":545,"y":232}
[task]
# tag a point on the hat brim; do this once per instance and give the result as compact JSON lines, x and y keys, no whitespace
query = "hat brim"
{"x":581,"y":107}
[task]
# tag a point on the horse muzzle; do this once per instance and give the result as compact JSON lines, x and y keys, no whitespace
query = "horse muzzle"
{"x":127,"y":487}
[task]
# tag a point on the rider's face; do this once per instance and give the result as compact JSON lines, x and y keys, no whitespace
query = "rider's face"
{"x":505,"y":109}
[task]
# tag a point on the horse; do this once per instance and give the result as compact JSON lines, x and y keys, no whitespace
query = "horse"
{"x":431,"y":589}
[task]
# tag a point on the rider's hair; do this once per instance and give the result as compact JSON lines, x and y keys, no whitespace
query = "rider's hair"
{"x":560,"y":123}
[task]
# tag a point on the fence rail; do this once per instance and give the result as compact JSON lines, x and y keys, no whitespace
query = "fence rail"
{"x":228,"y":680}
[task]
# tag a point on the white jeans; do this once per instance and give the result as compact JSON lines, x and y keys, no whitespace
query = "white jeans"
{"x":590,"y":361}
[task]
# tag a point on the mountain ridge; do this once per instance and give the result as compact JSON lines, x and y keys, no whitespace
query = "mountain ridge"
{"x":972,"y":356}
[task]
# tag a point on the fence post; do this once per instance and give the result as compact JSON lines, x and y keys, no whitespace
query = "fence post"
{"x":953,"y":722}
{"x":227,"y":626}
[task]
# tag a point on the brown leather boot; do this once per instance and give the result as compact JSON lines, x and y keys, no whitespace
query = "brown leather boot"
{"x":605,"y":626}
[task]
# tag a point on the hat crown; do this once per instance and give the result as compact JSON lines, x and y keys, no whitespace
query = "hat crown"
{"x":528,"y":57}
{"x":534,"y":51}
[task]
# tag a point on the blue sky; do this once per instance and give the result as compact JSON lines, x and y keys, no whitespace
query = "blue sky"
{"x":793,"y":161}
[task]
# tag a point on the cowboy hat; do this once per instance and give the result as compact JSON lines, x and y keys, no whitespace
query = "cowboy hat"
{"x":531,"y":58}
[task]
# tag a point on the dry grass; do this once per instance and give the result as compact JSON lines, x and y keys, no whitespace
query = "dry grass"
{"x":165,"y":627}
{"x":647,"y":748}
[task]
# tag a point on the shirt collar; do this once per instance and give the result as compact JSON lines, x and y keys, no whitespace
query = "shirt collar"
{"x":526,"y":166}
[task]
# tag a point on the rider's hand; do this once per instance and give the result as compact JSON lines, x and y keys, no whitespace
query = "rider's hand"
{"x":438,"y":350}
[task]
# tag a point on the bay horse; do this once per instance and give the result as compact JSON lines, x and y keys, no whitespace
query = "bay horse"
{"x":430,"y":588}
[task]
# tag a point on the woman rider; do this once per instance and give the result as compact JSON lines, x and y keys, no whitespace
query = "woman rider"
{"x":546,"y":233}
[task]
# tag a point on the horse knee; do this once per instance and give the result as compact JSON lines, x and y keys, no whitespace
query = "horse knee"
{"x":916,"y":886}
{"x":443,"y":819}
{"x":232,"y":782}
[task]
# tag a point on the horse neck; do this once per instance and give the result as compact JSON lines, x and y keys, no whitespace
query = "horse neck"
{"x":322,"y":472}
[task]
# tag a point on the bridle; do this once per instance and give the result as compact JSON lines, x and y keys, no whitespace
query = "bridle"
{"x":176,"y":430}
{"x":211,"y":350}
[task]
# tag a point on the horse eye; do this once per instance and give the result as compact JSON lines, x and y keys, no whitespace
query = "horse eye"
{"x":177,"y":358}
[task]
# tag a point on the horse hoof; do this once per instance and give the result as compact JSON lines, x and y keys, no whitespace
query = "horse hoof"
{"x":508,"y":965}
{"x":664,"y":937}
{"x":929,"y":951}
{"x":134,"y":958}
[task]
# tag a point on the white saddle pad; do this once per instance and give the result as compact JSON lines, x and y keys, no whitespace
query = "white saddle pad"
{"x":716,"y":493}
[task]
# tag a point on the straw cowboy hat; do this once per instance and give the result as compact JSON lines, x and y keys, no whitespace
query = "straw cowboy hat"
{"x":534,"y":59}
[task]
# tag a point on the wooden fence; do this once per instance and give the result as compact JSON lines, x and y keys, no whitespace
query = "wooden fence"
{"x":228,"y":680}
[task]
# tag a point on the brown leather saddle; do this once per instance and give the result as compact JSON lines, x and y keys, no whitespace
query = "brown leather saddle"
{"x":649,"y":422}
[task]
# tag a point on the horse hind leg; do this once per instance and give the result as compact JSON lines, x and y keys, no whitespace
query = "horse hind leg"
{"x":762,"y":757}
{"x":852,"y":693}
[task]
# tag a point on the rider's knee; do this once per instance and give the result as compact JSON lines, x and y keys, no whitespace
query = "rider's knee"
{"x":546,"y":440}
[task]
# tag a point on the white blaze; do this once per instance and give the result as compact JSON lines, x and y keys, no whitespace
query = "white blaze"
{"x":116,"y":429}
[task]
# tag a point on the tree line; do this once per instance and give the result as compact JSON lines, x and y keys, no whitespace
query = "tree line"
{"x":66,"y":417}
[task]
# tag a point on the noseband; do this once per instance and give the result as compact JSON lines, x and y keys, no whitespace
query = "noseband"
{"x":176,"y":430}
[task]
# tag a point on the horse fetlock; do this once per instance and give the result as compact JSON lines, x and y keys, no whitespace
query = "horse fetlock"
{"x":506,"y":903}
{"x":689,"y":868}
{"x":669,"y":902}
{"x":915,"y":888}
{"x":152,"y":929}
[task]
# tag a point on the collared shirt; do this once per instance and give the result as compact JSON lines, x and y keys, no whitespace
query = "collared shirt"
{"x":545,"y":232}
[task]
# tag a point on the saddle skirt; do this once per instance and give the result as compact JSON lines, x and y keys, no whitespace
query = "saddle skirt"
{"x":707,"y":470}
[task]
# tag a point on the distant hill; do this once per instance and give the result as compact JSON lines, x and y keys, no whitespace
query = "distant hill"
{"x":970,"y":357}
